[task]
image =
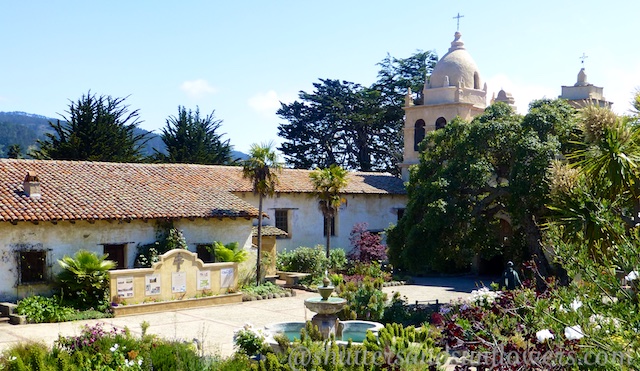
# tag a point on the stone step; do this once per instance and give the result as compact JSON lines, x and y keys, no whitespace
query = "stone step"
{"x":4,"y":321}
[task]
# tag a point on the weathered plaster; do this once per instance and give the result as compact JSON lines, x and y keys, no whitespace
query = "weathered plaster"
{"x":306,"y":220}
{"x":65,"y":238}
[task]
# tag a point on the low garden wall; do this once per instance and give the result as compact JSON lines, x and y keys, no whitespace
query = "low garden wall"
{"x":178,"y":280}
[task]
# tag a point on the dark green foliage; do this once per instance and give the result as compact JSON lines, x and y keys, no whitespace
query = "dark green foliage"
{"x":396,"y":76}
{"x":365,"y":300}
{"x":84,"y":280}
{"x":339,"y":123}
{"x":98,"y":128}
{"x":168,"y":238}
{"x":191,"y":139}
{"x":356,"y":127}
{"x":303,"y":259}
{"x":175,"y":356}
{"x":15,"y":151}
{"x":470,"y":176}
{"x":401,"y":312}
{"x":337,"y":260}
{"x":39,"y":309}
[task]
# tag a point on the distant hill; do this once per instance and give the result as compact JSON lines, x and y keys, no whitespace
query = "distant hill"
{"x":26,"y":128}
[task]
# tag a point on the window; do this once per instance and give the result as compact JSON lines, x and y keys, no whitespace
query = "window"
{"x":204,"y":254}
{"x":333,"y":226}
{"x":116,"y":252}
{"x":441,"y":122}
{"x":32,"y":265}
{"x":282,"y":221}
{"x":418,"y":134}
{"x":400,"y":213}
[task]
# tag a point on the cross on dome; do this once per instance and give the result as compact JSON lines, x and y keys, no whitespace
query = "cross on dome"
{"x":583,"y":57}
{"x":458,"y":21}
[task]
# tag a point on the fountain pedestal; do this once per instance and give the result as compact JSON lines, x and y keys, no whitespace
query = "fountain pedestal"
{"x":326,"y":308}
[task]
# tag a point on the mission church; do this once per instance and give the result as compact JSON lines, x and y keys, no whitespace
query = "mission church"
{"x":49,"y":209}
{"x":455,"y":89}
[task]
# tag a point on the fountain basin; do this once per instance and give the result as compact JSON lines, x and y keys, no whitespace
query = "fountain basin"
{"x":290,"y":329}
{"x":355,"y":331}
{"x":330,"y":306}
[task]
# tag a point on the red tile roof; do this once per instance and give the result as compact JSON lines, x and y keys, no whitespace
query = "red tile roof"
{"x":268,"y":230}
{"x":117,"y":191}
{"x":297,"y":181}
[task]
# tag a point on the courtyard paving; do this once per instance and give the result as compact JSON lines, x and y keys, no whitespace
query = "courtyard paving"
{"x":213,"y":326}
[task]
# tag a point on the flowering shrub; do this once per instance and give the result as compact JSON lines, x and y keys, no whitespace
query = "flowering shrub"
{"x":484,"y":296}
{"x":249,"y":340}
{"x":560,"y":328}
{"x":366,"y":246}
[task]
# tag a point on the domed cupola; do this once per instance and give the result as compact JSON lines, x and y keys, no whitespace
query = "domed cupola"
{"x":454,"y":90}
{"x":456,"y":68}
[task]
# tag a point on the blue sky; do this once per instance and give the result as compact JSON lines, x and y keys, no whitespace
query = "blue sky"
{"x":241,"y":58}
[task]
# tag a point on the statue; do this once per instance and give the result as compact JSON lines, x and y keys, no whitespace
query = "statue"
{"x":510,"y":278}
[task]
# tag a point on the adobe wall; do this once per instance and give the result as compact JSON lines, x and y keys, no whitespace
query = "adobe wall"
{"x":65,"y":238}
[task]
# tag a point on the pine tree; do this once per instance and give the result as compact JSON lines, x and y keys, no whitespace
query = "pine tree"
{"x":98,"y":128}
{"x":193,"y":139}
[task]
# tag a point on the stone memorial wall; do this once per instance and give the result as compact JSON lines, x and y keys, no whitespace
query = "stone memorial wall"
{"x":178,"y":275}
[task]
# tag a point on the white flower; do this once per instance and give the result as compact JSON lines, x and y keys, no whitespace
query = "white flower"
{"x":598,"y":320}
{"x":484,"y":296}
{"x":12,"y":358}
{"x":632,"y":276}
{"x":575,"y":304}
{"x":573,"y":332}
{"x":114,"y":348}
{"x":544,"y":335}
{"x":140,"y":362}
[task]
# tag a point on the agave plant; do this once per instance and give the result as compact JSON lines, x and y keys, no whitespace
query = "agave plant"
{"x":84,"y":279}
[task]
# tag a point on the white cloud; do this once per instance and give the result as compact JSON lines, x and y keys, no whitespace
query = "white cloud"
{"x":268,"y":103}
{"x":197,"y":88}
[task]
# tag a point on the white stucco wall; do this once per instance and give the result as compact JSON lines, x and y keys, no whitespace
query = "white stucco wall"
{"x":65,"y":238}
{"x":306,"y":220}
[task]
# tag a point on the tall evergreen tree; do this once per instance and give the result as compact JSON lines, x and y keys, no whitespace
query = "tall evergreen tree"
{"x":96,"y":128}
{"x":356,"y":127}
{"x":193,"y":139}
{"x":15,"y":151}
{"x":339,"y":123}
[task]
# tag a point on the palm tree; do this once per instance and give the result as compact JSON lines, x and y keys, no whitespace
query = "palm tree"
{"x":84,"y":278}
{"x":262,"y":169}
{"x":609,"y":156}
{"x":328,"y":184}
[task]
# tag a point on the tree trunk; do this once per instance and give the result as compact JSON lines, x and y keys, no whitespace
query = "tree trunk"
{"x":327,"y":231}
{"x":259,"y":255}
{"x":535,"y":248}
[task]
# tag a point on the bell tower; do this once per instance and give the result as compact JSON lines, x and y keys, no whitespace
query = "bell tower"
{"x":454,"y":89}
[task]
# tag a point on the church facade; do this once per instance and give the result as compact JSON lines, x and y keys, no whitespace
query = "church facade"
{"x":455,"y":89}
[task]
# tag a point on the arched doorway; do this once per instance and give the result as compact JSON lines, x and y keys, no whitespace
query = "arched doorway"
{"x":418,"y":134}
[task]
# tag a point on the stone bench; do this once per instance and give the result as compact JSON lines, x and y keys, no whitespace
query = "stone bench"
{"x":292,"y":278}
{"x":271,"y":278}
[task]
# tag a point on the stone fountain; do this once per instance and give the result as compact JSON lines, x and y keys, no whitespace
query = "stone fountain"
{"x":325,"y":307}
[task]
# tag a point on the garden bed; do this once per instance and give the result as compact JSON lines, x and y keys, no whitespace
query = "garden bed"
{"x":162,"y":306}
